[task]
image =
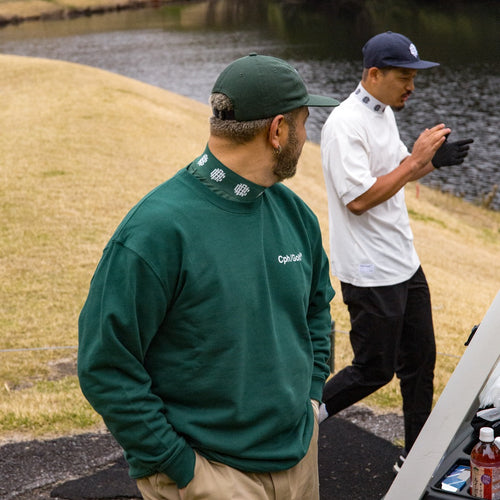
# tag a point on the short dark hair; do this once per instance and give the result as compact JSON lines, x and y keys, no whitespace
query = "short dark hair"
{"x":238,"y":132}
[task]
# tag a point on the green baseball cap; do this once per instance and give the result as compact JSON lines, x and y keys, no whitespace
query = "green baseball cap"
{"x":262,"y":87}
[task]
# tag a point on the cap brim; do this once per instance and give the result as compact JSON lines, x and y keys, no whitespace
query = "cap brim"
{"x":416,"y":65}
{"x":321,"y":101}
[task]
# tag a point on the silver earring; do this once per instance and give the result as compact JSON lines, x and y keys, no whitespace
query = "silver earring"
{"x":277,"y":151}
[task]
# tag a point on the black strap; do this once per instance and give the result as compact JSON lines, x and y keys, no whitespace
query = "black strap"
{"x":223,"y":114}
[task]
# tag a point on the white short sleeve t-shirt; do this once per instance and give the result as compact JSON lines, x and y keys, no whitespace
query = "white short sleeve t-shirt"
{"x":360,"y":142}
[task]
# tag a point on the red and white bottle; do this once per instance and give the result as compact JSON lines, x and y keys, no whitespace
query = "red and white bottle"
{"x":485,"y":466}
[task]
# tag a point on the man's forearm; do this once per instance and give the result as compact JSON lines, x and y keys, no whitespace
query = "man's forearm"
{"x":385,"y":187}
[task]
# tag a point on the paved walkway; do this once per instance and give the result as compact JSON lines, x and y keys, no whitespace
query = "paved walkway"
{"x":356,"y":455}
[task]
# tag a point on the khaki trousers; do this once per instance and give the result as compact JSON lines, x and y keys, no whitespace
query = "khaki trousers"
{"x":216,"y":481}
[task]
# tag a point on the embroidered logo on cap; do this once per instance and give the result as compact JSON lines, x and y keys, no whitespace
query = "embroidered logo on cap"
{"x":413,"y":50}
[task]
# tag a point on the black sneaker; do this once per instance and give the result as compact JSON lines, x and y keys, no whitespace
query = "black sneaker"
{"x":399,"y":462}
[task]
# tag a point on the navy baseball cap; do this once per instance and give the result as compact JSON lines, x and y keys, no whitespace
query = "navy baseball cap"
{"x":393,"y":49}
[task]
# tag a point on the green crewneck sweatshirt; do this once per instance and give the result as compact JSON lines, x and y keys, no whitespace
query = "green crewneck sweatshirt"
{"x":206,"y":326}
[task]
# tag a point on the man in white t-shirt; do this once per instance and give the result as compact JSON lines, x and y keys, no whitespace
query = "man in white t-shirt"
{"x":366,"y":167}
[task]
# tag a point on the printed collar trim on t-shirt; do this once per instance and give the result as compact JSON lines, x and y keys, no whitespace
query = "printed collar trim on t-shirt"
{"x":222,"y":180}
{"x":368,"y":100}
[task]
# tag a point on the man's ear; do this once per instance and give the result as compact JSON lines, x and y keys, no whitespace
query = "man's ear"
{"x":276,"y":131}
{"x":374,"y":74}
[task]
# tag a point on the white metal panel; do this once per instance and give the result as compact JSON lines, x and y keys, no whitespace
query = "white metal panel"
{"x":457,"y":403}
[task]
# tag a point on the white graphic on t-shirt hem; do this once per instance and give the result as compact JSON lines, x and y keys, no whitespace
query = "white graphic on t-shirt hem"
{"x":366,"y":268}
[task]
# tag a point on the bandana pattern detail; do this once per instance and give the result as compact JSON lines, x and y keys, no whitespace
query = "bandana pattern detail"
{"x":217,"y":175}
{"x":203,"y":160}
{"x":241,"y":190}
{"x":224,"y":181}
{"x":368,"y":100}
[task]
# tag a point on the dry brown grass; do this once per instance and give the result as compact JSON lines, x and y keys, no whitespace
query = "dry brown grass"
{"x":459,"y":247}
{"x":79,"y":147}
{"x":15,"y":10}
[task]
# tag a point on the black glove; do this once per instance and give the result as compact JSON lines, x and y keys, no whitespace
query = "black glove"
{"x":451,"y":153}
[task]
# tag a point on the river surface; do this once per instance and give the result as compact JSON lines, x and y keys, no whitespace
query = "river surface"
{"x":183,"y":47}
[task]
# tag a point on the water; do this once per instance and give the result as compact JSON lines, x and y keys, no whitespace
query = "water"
{"x":184,"y":46}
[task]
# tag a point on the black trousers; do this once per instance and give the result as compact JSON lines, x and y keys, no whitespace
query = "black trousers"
{"x":391,"y":333}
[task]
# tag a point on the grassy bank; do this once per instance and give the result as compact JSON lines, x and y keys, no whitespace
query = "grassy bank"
{"x":79,"y":147}
{"x":16,"y":11}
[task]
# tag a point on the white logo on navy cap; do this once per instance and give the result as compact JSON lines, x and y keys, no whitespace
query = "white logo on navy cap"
{"x":413,"y":50}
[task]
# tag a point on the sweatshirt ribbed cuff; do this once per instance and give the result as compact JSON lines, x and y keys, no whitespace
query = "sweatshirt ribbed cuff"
{"x":181,"y":468}
{"x":317,"y":389}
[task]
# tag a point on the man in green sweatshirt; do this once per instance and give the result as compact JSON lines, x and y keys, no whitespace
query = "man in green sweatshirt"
{"x":204,"y":340}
